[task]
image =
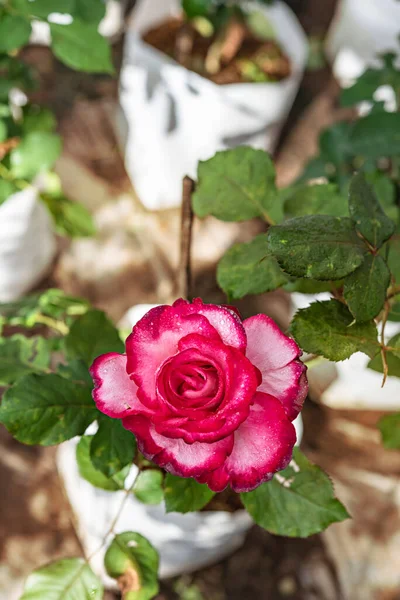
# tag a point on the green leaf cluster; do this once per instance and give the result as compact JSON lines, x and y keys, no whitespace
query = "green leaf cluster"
{"x":298,"y":502}
{"x":78,"y":43}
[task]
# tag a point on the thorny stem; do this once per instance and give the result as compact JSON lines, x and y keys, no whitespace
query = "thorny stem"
{"x":393,"y":291}
{"x":185,"y":271}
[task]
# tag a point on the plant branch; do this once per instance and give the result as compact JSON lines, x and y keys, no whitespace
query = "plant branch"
{"x":185,"y":271}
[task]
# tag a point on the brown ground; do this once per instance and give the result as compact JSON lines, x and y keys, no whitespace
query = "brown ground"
{"x":36,"y":524}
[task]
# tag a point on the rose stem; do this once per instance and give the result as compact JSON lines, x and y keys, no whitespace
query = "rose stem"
{"x":185,"y":271}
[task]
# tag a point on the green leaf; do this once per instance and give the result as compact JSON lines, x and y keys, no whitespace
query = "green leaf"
{"x":70,"y":218}
{"x":37,"y":118}
{"x":295,"y":503}
{"x":237,"y":185}
{"x":185,"y":495}
{"x":317,"y":247}
{"x":367,"y":213}
{"x":328,"y":329}
{"x":14,"y":32}
{"x":131,"y":556}
{"x":7,"y":188}
{"x":260,"y":25}
{"x":393,"y":258}
{"x":385,"y":191}
{"x":149,"y":486}
{"x":376,"y":136}
{"x":42,"y":8}
{"x":392,"y":359}
{"x":394,"y":314}
{"x":323,"y":199}
{"x":68,"y":579}
{"x":38,"y":151}
{"x":196,"y":8}
{"x":310,"y":286}
{"x":113,"y":447}
{"x":389,"y":427}
{"x":365,"y":289}
{"x":248,"y":269}
{"x":77,"y":371}
{"x":80,"y":46}
{"x":373,"y":78}
{"x":30,"y":310}
{"x":335,"y":145}
{"x":91,"y":335}
{"x":47,"y":409}
{"x":3,"y":131}
{"x":88,"y":471}
{"x":394,"y":345}
{"x":92,"y":11}
{"x":20,"y":355}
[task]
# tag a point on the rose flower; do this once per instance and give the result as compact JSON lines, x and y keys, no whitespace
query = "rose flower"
{"x":206,"y":394}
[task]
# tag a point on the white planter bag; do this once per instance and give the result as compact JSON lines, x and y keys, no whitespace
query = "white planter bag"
{"x":185,"y":542}
{"x":360,"y":30}
{"x":27,"y":244}
{"x":172,"y":118}
{"x":349,"y":384}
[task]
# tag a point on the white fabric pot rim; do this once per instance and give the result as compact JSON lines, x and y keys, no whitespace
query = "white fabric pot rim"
{"x":171,"y":117}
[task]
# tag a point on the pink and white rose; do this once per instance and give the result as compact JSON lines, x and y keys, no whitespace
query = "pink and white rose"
{"x":206,"y":394}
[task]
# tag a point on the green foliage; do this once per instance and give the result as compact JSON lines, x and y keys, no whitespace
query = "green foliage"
{"x":389,"y":427}
{"x":48,"y":307}
{"x":14,"y":32}
{"x":249,"y":269}
{"x":148,"y":486}
{"x":88,"y":471}
{"x":132,"y":555}
{"x":373,"y":78}
{"x":324,"y":199}
{"x":328,"y":329}
{"x":20,"y":356}
{"x":392,"y":358}
{"x":196,"y":8}
{"x":70,"y":218}
{"x":92,"y":334}
{"x":47,"y":409}
{"x":185,"y":495}
{"x":68,"y":579}
{"x":81,"y":47}
{"x":367,"y":214}
{"x":365,"y":289}
{"x":113,"y":447}
{"x":297,"y":503}
{"x":237,"y":185}
{"x":317,"y":247}
{"x":6,"y":189}
{"x":77,"y":44}
{"x":37,"y":152}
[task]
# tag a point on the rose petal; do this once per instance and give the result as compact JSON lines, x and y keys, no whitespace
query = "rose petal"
{"x":276,"y":356}
{"x":226,"y":321}
{"x":175,"y":456}
{"x":154,"y":339}
{"x":240,"y":383}
{"x":114,"y":392}
{"x":263,"y":445}
{"x":288,"y":384}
